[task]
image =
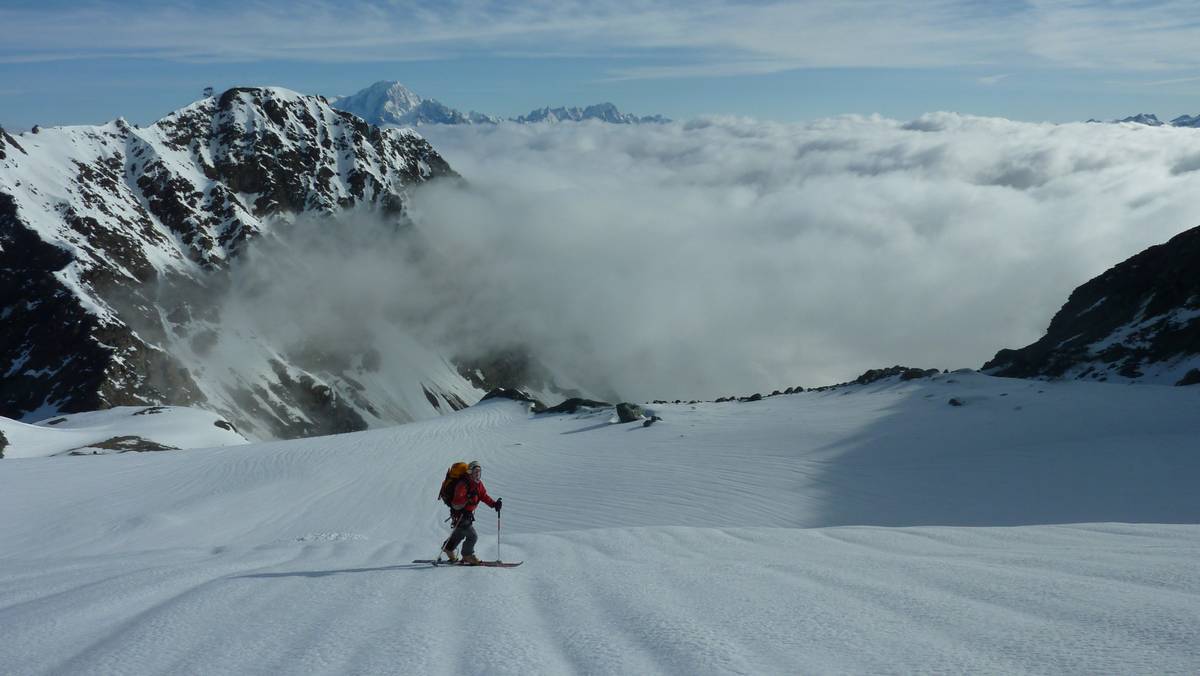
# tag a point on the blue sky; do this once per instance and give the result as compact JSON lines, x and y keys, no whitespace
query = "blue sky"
{"x":83,"y":63}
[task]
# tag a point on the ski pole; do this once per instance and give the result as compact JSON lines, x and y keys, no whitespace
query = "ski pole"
{"x":498,"y":536}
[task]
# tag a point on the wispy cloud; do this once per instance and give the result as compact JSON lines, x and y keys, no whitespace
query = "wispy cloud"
{"x":1171,"y":81}
{"x":990,"y":80}
{"x":677,"y":39}
{"x":1144,"y":35}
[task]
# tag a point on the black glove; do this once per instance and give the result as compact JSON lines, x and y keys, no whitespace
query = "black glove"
{"x":499,"y":503}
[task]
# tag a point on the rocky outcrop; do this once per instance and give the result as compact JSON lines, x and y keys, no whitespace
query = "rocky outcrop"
{"x":573,"y":405}
{"x":627,"y":412}
{"x":1140,"y":320}
{"x":515,"y":395}
{"x":905,"y":373}
{"x":123,"y":444}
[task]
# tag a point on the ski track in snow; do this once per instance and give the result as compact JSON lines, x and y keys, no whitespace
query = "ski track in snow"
{"x":1041,"y":528}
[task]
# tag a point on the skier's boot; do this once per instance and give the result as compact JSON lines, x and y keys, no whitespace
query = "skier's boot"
{"x":450,"y":555}
{"x":470,"y":559}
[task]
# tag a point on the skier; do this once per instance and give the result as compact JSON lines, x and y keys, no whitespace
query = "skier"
{"x":467,"y":495}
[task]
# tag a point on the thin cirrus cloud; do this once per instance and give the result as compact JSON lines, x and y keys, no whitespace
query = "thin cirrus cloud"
{"x":1150,"y":36}
{"x":729,"y":256}
{"x":677,"y":39}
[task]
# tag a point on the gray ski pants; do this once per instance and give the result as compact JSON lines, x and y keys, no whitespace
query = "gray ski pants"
{"x":465,"y":533}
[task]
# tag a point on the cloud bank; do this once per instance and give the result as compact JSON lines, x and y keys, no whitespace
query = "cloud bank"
{"x":729,"y":256}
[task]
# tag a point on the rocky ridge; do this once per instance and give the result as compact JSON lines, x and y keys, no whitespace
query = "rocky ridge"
{"x":1139,"y":321}
{"x":113,"y":238}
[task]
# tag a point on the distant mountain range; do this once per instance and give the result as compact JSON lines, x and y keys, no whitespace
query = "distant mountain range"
{"x":1151,"y":120}
{"x":391,"y":103}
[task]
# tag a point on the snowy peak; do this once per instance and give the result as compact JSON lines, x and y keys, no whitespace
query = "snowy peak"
{"x":1140,"y":320}
{"x":1151,"y":120}
{"x":602,"y":112}
{"x":391,"y":103}
{"x":1147,"y":119}
{"x":114,"y":238}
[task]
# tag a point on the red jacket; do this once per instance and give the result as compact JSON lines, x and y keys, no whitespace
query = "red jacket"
{"x":467,"y":495}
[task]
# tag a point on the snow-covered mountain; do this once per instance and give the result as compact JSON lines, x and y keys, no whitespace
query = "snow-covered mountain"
{"x":1037,"y":528}
{"x":391,"y":103}
{"x":1148,"y":119}
{"x":1151,"y":120}
{"x":114,"y":241}
{"x":603,"y":112}
{"x":1139,"y":321}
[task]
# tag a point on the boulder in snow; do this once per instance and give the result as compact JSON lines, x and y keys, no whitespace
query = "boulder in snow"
{"x":627,"y":412}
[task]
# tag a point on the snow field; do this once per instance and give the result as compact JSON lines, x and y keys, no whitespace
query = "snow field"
{"x":1040,"y":528}
{"x":175,"y":426}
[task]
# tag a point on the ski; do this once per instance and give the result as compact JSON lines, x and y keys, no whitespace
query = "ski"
{"x":485,"y":564}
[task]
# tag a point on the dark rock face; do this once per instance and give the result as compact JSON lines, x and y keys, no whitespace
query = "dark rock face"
{"x":508,"y":367}
{"x":90,"y":244}
{"x":435,"y":396}
{"x":3,"y":444}
{"x":1137,"y":319}
{"x":627,"y":412}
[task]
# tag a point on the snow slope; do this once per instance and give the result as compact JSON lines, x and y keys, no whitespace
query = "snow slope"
{"x":174,"y":427}
{"x":1037,"y":528}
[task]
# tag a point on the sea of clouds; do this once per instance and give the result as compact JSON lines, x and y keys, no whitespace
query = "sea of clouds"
{"x":728,"y":256}
{"x":731,"y":255}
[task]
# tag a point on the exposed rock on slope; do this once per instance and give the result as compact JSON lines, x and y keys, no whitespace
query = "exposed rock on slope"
{"x":1140,"y":320}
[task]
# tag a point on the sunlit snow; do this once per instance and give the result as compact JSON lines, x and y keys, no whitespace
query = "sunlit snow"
{"x":1037,"y":528}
